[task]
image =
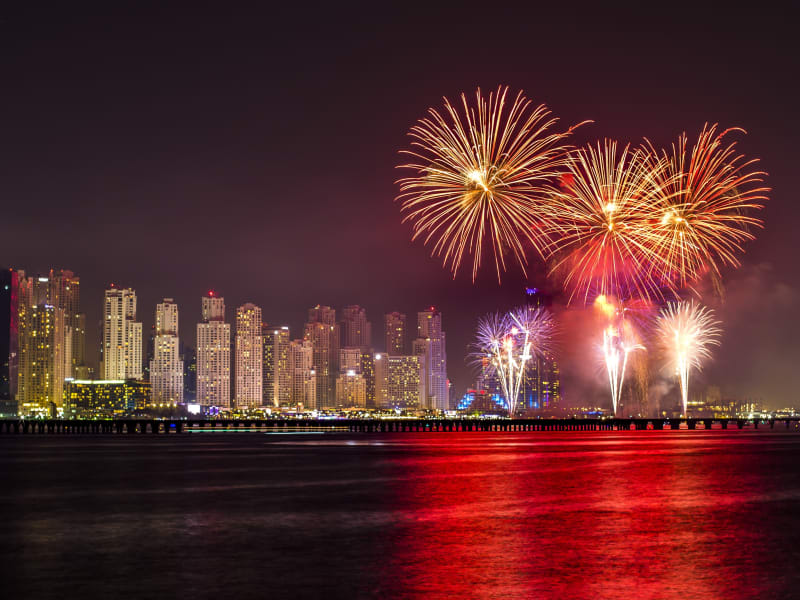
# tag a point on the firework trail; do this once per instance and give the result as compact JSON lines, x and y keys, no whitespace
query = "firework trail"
{"x":507,"y":341}
{"x":686,"y":332}
{"x":480,"y":176}
{"x":701,"y":217}
{"x":619,"y":341}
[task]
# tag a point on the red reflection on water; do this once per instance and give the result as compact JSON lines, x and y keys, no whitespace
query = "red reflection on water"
{"x":625,"y":515}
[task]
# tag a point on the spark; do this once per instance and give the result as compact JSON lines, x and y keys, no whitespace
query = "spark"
{"x":619,"y":341}
{"x":686,"y":333}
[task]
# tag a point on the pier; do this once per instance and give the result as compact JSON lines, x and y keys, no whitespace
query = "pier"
{"x":431,"y":425}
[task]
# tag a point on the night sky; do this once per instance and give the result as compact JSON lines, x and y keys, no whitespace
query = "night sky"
{"x":178,"y":151}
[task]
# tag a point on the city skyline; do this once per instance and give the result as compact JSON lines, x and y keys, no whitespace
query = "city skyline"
{"x":313,"y":165}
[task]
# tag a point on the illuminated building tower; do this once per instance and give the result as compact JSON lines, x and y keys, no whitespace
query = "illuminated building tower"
{"x":65,"y":294}
{"x":268,"y":366}
{"x":356,"y":331}
{"x":421,"y":348}
{"x":322,"y":331}
{"x":166,"y":368}
{"x":394,"y":331}
{"x":276,"y":386}
{"x":122,"y":336}
{"x":398,"y":381}
{"x":429,"y":327}
{"x":541,"y":386}
{"x":249,"y":357}
{"x":9,"y":342}
{"x":41,"y":361}
{"x":302,"y":377}
{"x":367,"y":369}
{"x":214,"y":355}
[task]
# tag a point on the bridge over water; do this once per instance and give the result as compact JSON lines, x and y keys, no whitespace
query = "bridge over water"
{"x":277,"y":425}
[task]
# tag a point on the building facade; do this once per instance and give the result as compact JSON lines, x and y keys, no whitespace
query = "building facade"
{"x":122,"y":336}
{"x":429,"y":328}
{"x":303,"y":379}
{"x":322,"y":331}
{"x":101,"y":399}
{"x":214,"y":355}
{"x":399,"y":382}
{"x":166,"y":367}
{"x":249,"y":357}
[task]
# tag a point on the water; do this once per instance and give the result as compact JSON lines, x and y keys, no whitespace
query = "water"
{"x":648,"y":514}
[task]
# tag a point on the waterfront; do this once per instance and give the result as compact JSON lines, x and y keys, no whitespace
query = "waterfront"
{"x":647,"y":514}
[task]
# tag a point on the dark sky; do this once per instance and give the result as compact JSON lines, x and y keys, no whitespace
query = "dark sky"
{"x":175,"y":151}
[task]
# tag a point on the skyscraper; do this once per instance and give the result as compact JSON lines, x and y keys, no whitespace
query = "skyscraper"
{"x":166,"y":367}
{"x":368,"y":373}
{"x":249,"y":357}
{"x":65,"y":294}
{"x":356,"y":331}
{"x":122,"y":336}
{"x":394,"y":331}
{"x":322,"y":331}
{"x":9,"y":341}
{"x":303,"y":380}
{"x":429,"y":327}
{"x":214,"y":354}
{"x":276,"y":387}
{"x":41,"y":361}
{"x":541,"y":386}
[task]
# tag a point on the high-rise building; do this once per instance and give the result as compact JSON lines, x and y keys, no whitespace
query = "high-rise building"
{"x":276,"y":386}
{"x":9,"y":342}
{"x":356,"y":331}
{"x":249,"y":357}
{"x":65,"y":294}
{"x":166,"y":367}
{"x":122,"y":336}
{"x":214,"y":354}
{"x":42,"y":361}
{"x":429,"y":328}
{"x":541,"y":386}
{"x":367,"y":369}
{"x":44,"y":345}
{"x":398,"y":381}
{"x":268,"y":365}
{"x":322,"y":331}
{"x":302,"y":377}
{"x":394,"y":331}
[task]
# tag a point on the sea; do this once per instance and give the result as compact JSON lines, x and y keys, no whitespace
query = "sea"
{"x":617,"y":514}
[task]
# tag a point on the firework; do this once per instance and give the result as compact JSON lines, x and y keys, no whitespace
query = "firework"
{"x":505,"y":342}
{"x":686,"y":332}
{"x":700,"y":219}
{"x":599,"y":218}
{"x":480,"y":176}
{"x":619,"y":341}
